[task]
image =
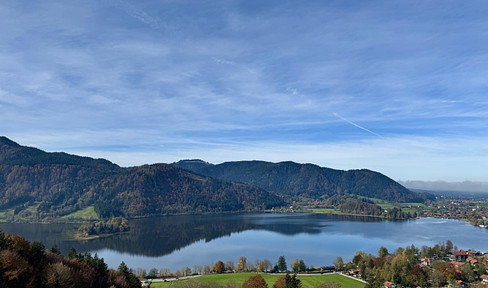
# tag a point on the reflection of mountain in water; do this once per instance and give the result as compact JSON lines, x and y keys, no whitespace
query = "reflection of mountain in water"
{"x":160,"y":236}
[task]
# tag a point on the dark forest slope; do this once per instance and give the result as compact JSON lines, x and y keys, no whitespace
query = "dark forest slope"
{"x":58,"y":184}
{"x":305,"y":179}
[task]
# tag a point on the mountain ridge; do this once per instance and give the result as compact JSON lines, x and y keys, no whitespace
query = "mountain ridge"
{"x":309,"y":180}
{"x":37,"y":185}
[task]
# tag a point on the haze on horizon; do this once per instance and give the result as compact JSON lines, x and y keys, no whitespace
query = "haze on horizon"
{"x":397,"y":87}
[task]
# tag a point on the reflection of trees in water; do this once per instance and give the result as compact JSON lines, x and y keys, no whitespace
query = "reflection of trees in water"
{"x":161,"y":236}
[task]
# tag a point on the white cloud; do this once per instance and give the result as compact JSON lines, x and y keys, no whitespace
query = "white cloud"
{"x":238,"y":83}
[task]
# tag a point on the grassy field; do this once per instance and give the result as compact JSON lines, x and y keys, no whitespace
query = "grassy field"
{"x":406,"y":207}
{"x":387,"y":205}
{"x":9,"y":214}
{"x":5,"y":215}
{"x":86,"y":214}
{"x":309,"y":281}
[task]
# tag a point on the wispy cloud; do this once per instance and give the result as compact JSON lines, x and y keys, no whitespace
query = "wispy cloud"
{"x":223,"y":74}
{"x":356,"y":125}
{"x":231,"y":63}
{"x":143,"y":16}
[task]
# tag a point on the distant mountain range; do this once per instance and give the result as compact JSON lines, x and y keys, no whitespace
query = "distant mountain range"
{"x":443,"y":186}
{"x":37,"y":185}
{"x":308,"y":180}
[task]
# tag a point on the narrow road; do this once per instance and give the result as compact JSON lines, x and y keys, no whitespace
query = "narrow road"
{"x":196,"y":276}
{"x":357,"y":279}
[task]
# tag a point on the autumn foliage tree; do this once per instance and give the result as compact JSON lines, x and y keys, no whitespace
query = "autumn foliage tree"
{"x":294,"y":266}
{"x":287,"y":281}
{"x":256,"y":281}
{"x":23,"y":264}
{"x":219,"y":267}
{"x":242,"y":264}
{"x":404,"y":268}
{"x":280,"y":283}
{"x":298,"y":266}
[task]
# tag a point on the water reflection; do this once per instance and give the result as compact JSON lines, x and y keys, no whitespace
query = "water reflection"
{"x":174,"y":241}
{"x":162,"y":235}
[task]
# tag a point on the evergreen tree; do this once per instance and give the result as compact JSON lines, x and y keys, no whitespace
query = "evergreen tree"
{"x":123,"y":270}
{"x":301,"y":266}
{"x":292,"y":282}
{"x":72,"y":253}
{"x":282,"y":264}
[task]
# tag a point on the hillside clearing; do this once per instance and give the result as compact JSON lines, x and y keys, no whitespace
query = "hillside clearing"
{"x":86,"y":214}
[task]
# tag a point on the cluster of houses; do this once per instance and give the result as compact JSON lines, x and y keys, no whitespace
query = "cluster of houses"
{"x":473,"y":211}
{"x":458,"y":259}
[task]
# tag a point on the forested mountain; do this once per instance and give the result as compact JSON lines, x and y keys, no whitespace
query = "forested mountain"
{"x":38,"y":185}
{"x":305,"y":179}
{"x":164,"y":189}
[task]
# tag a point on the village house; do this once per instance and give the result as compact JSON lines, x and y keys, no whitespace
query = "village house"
{"x":472,"y":260}
{"x":353,"y":272}
{"x":461,"y":283}
{"x":484,"y":278}
{"x":459,"y":256}
{"x":426,"y":262}
{"x":474,"y":253}
{"x":327,"y":268}
{"x":389,"y":285}
{"x":457,"y":264}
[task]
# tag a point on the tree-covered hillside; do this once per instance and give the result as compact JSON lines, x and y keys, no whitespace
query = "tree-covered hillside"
{"x":164,"y":189}
{"x":306,"y":179}
{"x":36,"y":185}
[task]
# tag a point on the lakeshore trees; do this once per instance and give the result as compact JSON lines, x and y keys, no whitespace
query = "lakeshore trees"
{"x":241,"y":264}
{"x":298,"y":266}
{"x":339,"y":263}
{"x":219,"y":267}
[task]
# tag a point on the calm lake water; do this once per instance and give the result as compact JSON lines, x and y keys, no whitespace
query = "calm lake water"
{"x":175,"y":242}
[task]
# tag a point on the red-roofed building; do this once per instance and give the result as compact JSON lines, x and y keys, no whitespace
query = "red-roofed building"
{"x":484,"y":278}
{"x":472,"y":260}
{"x":457,"y":264}
{"x":461,"y":283}
{"x":473,"y":253}
{"x":389,"y":285}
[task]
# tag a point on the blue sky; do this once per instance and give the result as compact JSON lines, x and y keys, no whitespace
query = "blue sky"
{"x":394,"y":86}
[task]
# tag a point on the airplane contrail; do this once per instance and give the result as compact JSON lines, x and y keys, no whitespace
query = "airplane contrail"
{"x":356,"y":125}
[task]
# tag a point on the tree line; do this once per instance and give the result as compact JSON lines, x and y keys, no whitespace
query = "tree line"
{"x":110,"y":226}
{"x":25,"y":264}
{"x":259,"y":266}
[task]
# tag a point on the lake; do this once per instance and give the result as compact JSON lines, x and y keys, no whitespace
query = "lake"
{"x":175,"y":242}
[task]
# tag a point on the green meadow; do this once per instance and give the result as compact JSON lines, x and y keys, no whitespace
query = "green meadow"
{"x":308,"y":281}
